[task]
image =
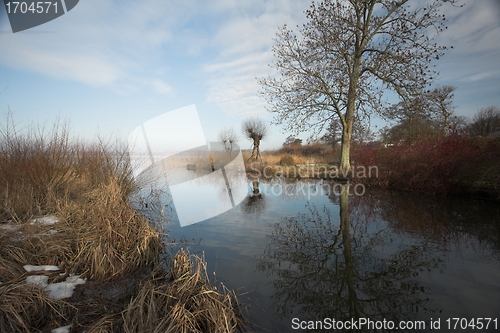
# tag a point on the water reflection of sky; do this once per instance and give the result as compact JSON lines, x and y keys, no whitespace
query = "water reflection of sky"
{"x":432,"y":255}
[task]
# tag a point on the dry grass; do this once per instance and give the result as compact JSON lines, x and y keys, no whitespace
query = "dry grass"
{"x":99,"y":236}
{"x":325,"y":156}
{"x":42,"y":171}
{"x":24,"y":308}
{"x":111,"y":239}
{"x":187,"y":303}
{"x":275,"y":159}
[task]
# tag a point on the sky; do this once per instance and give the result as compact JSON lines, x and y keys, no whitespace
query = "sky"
{"x":107,"y":66}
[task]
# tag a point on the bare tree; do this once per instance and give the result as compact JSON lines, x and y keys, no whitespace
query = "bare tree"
{"x":346,"y":56}
{"x":228,"y":138}
{"x":360,"y":132}
{"x":254,"y":129}
{"x":441,"y":103}
{"x":485,"y":121}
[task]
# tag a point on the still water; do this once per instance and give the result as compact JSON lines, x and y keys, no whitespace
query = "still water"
{"x":302,"y":255}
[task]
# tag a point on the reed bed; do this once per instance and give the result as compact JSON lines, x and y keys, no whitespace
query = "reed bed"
{"x":98,"y":236}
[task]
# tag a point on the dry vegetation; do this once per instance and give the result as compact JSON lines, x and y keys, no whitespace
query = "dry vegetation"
{"x":293,"y":160}
{"x":186,"y":304}
{"x":98,"y":236}
{"x":449,"y":164}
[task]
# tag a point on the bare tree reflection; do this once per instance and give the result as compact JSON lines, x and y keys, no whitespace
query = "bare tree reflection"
{"x":254,"y":203}
{"x":327,"y":269}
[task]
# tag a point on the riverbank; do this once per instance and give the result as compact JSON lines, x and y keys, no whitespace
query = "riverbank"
{"x":449,"y":165}
{"x":76,"y":256}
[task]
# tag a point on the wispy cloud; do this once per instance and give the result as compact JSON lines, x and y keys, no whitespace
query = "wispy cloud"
{"x":101,"y":43}
{"x":482,"y":76}
{"x":474,"y":33}
{"x":245,"y":42}
{"x":162,"y":87}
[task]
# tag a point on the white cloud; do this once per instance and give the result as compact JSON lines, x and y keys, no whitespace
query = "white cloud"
{"x":482,"y":76}
{"x":161,"y":87}
{"x":474,"y":33}
{"x":474,"y":28}
{"x":100,"y":43}
{"x":245,"y":42}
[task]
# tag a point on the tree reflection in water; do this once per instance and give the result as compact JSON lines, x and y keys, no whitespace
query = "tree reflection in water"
{"x":254,"y":203}
{"x":327,"y":269}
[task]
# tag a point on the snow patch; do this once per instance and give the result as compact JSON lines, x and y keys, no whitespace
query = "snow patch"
{"x":64,"y":289}
{"x":48,"y":233}
{"x":58,"y":290}
{"x":39,"y":280}
{"x":9,"y":227}
{"x":54,"y":290}
{"x":64,"y":329}
{"x":31,"y":268}
{"x":46,"y":220}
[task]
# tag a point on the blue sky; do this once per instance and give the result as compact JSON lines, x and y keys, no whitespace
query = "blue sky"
{"x":108,"y":66}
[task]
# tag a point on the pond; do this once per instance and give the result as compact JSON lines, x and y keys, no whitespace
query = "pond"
{"x":315,"y":256}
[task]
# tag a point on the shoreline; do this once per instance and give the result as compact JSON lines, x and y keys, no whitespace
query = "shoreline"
{"x":458,"y":188}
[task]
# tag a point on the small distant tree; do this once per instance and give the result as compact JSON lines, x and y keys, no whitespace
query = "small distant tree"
{"x":254,"y":129}
{"x":289,"y":141}
{"x":411,"y":119}
{"x":440,"y":102}
{"x":360,"y":132}
{"x":291,"y":144}
{"x":410,"y":129}
{"x":228,"y":138}
{"x":485,"y":121}
{"x":333,"y":134}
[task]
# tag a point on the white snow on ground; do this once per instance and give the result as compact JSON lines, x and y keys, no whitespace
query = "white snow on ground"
{"x":46,"y":220}
{"x":64,"y":289}
{"x":39,"y":280}
{"x":9,"y":227}
{"x":42,"y":221}
{"x":31,"y":268}
{"x":48,"y":233}
{"x":64,"y":329}
{"x":54,"y":290}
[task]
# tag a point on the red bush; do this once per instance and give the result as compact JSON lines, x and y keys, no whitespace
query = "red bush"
{"x":432,"y":164}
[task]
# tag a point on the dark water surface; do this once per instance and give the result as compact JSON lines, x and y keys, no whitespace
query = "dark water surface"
{"x":304,"y":251}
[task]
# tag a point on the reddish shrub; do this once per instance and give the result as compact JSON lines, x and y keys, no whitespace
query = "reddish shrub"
{"x":433,"y":164}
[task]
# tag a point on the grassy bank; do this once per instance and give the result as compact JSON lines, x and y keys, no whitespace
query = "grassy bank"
{"x":99,"y":238}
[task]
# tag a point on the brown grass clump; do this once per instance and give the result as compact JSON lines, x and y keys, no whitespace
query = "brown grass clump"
{"x":287,"y":160}
{"x":23,"y":307}
{"x":42,"y":171}
{"x":111,"y":238}
{"x":187,"y":303}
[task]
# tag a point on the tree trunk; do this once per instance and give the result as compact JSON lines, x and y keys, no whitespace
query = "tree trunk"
{"x":345,"y":164}
{"x":345,"y":150}
{"x":256,"y":151}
